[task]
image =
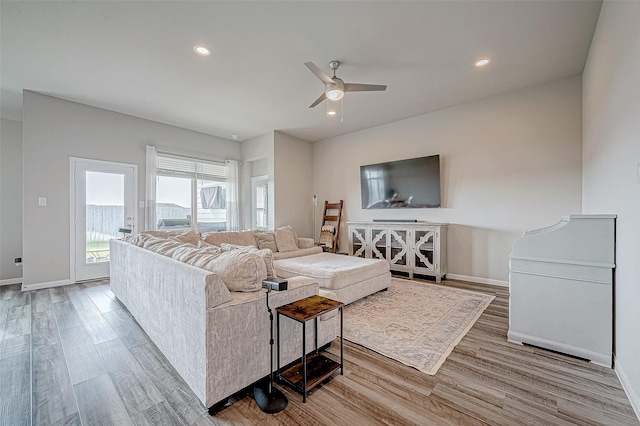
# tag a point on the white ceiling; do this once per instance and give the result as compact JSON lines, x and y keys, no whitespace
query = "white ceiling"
{"x":136,"y":57}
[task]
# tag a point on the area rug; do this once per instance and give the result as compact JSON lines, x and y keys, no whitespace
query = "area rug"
{"x":414,"y":322}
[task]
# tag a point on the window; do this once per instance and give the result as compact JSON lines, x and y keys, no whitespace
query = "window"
{"x":260,"y":200}
{"x":191,"y":194}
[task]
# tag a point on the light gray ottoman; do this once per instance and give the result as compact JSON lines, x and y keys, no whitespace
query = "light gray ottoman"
{"x":350,"y":278}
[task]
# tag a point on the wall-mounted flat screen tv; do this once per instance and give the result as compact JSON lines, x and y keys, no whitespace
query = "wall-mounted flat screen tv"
{"x":412,"y":183}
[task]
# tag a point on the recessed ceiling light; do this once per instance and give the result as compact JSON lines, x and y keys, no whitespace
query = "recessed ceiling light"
{"x":202,"y":50}
{"x":482,"y":62}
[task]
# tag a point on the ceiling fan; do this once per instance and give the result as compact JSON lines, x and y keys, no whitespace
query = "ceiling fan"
{"x":335,"y":88}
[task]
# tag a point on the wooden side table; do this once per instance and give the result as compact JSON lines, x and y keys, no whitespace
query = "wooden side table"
{"x":313,"y":368}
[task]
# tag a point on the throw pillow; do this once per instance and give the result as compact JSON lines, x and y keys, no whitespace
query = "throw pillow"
{"x":290,"y":228}
{"x":285,"y":240}
{"x":266,"y":240}
{"x":190,"y":237}
{"x":265,"y":254}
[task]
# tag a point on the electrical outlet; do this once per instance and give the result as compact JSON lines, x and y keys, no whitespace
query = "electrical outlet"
{"x":42,"y":201}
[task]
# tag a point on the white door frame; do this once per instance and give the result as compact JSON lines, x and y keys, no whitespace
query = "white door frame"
{"x":73,"y":164}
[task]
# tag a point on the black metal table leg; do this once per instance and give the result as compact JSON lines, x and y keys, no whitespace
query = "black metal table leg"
{"x":319,"y":366}
{"x":316,"y":324}
{"x":278,"y":337}
{"x":341,"y":345}
{"x":304,"y":364}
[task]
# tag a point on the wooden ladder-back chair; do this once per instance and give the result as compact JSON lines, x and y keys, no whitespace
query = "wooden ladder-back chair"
{"x":331,"y":218}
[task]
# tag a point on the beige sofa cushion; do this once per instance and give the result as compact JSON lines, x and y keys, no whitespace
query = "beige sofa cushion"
{"x":289,"y":228}
{"x":297,"y":253}
{"x":265,"y":254}
{"x":266,"y":240}
{"x":204,"y":245}
{"x":332,"y":271}
{"x":165,"y":247}
{"x":241,"y":238}
{"x":139,"y":239}
{"x":190,"y":237}
{"x":238,"y":269}
{"x":165,"y":234}
{"x":286,"y":240}
{"x":153,"y":242}
{"x":186,"y":253}
{"x":305,"y":242}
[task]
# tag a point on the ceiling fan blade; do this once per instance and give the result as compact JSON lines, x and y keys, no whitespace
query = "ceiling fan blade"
{"x":356,"y":87}
{"x":318,"y":72}
{"x":317,"y":101}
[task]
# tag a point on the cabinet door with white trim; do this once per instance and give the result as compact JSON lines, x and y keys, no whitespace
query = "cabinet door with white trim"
{"x":423,"y":256}
{"x":379,"y":243}
{"x":358,"y":241}
{"x":399,"y":249}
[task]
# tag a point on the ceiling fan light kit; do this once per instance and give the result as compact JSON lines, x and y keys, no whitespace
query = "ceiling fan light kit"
{"x":334,"y":93}
{"x":334,"y":110}
{"x":335,"y":88}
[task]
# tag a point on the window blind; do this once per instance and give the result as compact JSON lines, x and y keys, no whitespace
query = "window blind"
{"x":169,"y":165}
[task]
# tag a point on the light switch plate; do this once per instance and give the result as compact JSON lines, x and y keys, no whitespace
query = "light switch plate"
{"x":42,"y":201}
{"x":141,"y":204}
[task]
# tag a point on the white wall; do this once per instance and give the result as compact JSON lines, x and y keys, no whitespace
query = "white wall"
{"x":10,"y":200}
{"x":508,"y":164}
{"x":611,"y":167}
{"x":261,"y":150}
{"x":53,"y":131}
{"x":293,"y":183}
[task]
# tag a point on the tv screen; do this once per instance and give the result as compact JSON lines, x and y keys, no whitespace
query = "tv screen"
{"x":412,"y":183}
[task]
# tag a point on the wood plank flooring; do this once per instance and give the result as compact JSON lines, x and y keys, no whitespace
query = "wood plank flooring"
{"x":74,"y":356}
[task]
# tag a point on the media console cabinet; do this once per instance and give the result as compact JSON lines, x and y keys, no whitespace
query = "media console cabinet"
{"x":413,"y":247}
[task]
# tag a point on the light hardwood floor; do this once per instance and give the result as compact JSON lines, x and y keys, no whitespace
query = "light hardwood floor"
{"x":73,"y":355}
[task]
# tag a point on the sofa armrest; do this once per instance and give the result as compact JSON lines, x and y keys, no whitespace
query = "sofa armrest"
{"x":305,"y":242}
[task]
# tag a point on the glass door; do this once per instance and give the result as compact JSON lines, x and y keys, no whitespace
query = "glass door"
{"x":103,"y":209}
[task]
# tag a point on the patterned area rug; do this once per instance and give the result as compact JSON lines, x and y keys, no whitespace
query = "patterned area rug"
{"x":413,"y":322}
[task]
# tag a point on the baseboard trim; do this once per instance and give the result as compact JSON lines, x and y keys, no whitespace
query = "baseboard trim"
{"x":624,"y":381}
{"x":478,"y":280}
{"x":49,"y":284}
{"x":10,"y":281}
{"x":592,"y":356}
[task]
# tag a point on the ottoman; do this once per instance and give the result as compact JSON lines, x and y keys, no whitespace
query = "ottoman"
{"x":349,"y":278}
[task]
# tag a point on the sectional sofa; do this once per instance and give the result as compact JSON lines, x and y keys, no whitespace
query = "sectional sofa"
{"x":199,"y":299}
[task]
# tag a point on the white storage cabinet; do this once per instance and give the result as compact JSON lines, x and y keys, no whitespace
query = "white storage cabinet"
{"x":561,"y":287}
{"x":415,"y":248}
